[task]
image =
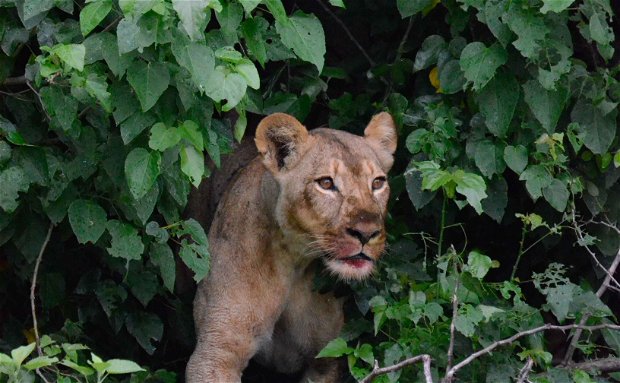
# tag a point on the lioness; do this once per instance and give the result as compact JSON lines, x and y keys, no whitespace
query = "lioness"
{"x":307,"y":195}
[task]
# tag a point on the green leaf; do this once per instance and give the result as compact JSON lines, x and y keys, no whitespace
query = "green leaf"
{"x":126,"y":242}
{"x":190,"y":131}
{"x":478,"y":264}
{"x":479,"y":63}
{"x":225,"y":85}
{"x":536,"y":178}
{"x":163,"y":138}
{"x":337,"y":3}
{"x":559,"y":299}
{"x":39,"y":362}
{"x":146,"y":328}
{"x":162,"y":257}
{"x":528,"y":24}
{"x":120,"y":366}
{"x":194,"y":16}
{"x":472,"y":186}
{"x":498,"y":101}
{"x":451,"y":78}
{"x":497,"y":198}
{"x":19,"y":354}
{"x":467,"y":319}
{"x":143,"y":285}
{"x":132,"y":35}
{"x":409,"y":8}
{"x":546,"y":105}
{"x":516,"y":157}
{"x":88,"y":220}
{"x":117,"y":63}
{"x":556,"y":6}
{"x":427,"y":55}
{"x":149,"y":80}
{"x":141,"y":170}
{"x":134,"y":125}
{"x":249,"y":5}
{"x":277,"y":9}
{"x":197,"y":258}
{"x":13,"y":181}
{"x":192,"y":164}
{"x":335,"y":348}
{"x":71,"y":54}
{"x":247,"y":69}
{"x":229,"y":19}
{"x":93,"y":14}
{"x":252,"y":31}
{"x":489,"y":158}
{"x":556,"y":193}
{"x":199,"y":61}
{"x":303,"y":33}
{"x":240,"y":125}
{"x":62,"y":109}
{"x":596,"y":130}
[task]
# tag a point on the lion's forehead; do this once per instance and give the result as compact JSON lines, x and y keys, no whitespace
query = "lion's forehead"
{"x":344,"y":154}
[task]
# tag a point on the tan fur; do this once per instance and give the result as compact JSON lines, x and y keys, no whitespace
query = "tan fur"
{"x":270,"y":226}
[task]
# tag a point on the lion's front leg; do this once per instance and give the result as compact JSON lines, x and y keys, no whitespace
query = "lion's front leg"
{"x":323,"y":371}
{"x":230,"y":326}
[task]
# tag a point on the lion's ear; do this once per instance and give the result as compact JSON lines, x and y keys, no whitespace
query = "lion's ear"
{"x":279,"y":139}
{"x":381,"y":134}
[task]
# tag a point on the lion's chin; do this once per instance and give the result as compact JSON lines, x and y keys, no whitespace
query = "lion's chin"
{"x":351,"y":268}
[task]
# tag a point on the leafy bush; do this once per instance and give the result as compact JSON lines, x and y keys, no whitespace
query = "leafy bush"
{"x":507,"y":114}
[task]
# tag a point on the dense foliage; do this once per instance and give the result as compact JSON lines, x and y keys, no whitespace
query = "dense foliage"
{"x":502,"y":218}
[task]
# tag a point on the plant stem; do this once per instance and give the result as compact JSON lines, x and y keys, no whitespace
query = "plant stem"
{"x":442,"y":225}
{"x":514,"y":268}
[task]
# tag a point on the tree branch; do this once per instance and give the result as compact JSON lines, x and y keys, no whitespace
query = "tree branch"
{"x":602,"y":365}
{"x":525,"y":371}
{"x":348,"y":32}
{"x":487,"y":350}
{"x":455,"y":309}
{"x":376,"y":371}
{"x":33,"y":287}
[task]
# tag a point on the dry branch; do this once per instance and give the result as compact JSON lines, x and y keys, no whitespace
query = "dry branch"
{"x":487,"y":350}
{"x":376,"y":371}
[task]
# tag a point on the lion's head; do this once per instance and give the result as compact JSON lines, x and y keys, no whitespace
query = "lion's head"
{"x":333,"y":188}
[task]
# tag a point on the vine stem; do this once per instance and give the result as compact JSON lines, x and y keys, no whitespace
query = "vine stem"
{"x":33,"y":287}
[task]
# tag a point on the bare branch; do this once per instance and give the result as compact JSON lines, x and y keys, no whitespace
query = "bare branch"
{"x":487,"y":350}
{"x":455,"y":309}
{"x":376,"y":371}
{"x":525,"y":371}
{"x":348,"y":32}
{"x":602,"y":365}
{"x":33,"y":287}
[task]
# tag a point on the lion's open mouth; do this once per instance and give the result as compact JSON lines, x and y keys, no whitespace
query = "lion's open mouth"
{"x":357,"y":260}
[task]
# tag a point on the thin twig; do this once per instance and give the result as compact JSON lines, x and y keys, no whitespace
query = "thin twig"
{"x":348,"y":32}
{"x":33,"y":287}
{"x":376,"y":371}
{"x":525,"y":371}
{"x":40,"y":100}
{"x":487,"y":350}
{"x":455,"y":310}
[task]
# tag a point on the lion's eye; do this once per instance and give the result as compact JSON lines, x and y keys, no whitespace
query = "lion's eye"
{"x":378,"y":183}
{"x":326,"y":183}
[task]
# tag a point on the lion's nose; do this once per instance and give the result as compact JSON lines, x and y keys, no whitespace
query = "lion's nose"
{"x":364,"y":232}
